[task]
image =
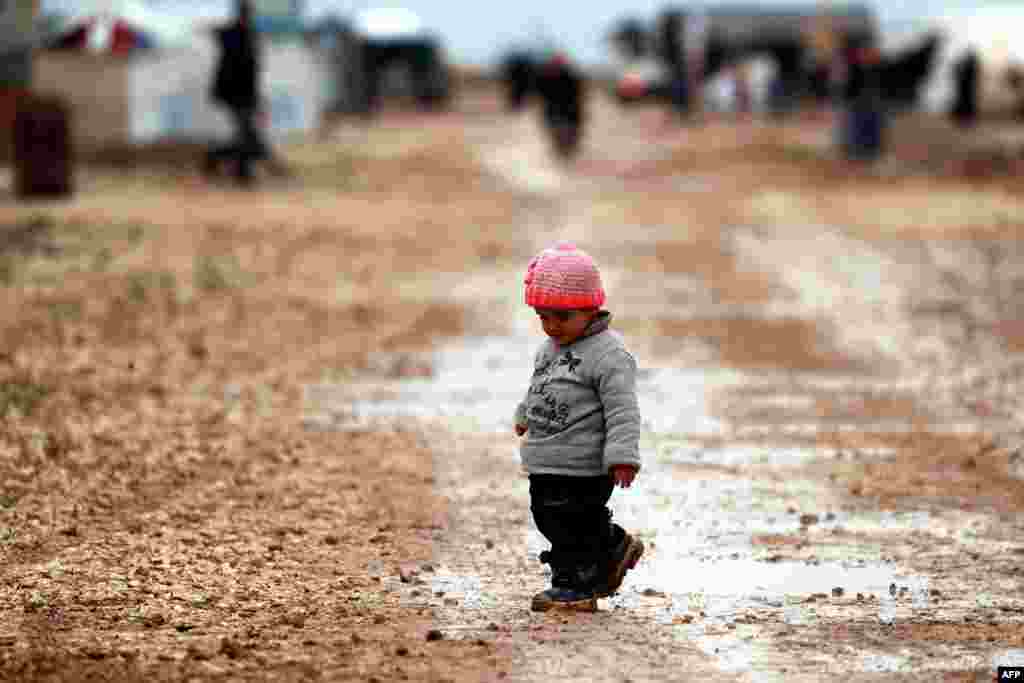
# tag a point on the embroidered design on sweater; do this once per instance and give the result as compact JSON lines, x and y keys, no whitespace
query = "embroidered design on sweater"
{"x":570,"y":360}
{"x":550,"y":414}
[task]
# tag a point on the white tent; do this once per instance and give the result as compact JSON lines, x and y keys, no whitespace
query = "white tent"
{"x":163,"y":93}
{"x":994,"y":32}
{"x":169,"y":30}
{"x":387,"y":23}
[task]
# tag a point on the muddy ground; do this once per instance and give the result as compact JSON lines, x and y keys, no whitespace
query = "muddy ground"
{"x":266,"y":435}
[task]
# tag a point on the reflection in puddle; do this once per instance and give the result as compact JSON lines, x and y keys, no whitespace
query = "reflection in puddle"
{"x":703,"y":557}
{"x":736,"y":454}
{"x":748,"y":583}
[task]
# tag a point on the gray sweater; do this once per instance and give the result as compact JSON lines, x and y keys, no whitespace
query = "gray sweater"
{"x":581,"y":408}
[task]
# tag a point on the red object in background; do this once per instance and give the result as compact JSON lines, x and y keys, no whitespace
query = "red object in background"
{"x":9,"y":99}
{"x":557,"y":62}
{"x":868,"y":56}
{"x":122,"y":39}
{"x":74,"y":40}
{"x":632,"y":87}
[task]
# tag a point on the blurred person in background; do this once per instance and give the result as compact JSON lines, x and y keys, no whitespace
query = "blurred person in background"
{"x":560,"y":86}
{"x":672,"y":40}
{"x":236,"y":88}
{"x":863,"y":121}
{"x":743,"y":97}
{"x":823,"y":45}
{"x":517,"y":74}
{"x":1014,"y":79}
{"x":966,"y":76}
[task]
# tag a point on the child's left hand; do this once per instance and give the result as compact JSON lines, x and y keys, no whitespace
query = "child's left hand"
{"x":623,"y":475}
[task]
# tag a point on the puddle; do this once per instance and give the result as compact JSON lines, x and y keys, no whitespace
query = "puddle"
{"x":706,"y":534}
{"x":476,"y":385}
{"x":700,"y":532}
{"x":705,"y":526}
{"x":748,"y":583}
{"x":737,"y":454}
{"x":478,"y":382}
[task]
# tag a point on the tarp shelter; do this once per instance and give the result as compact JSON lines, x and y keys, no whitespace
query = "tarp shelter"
{"x":118,"y":28}
{"x":378,"y":52}
{"x":394,"y":41}
{"x":335,"y":39}
{"x":159,"y":88}
{"x":387,"y":24}
{"x":994,"y":33}
{"x":117,"y":37}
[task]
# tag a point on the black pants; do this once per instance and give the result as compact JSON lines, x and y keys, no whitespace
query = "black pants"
{"x":679,"y":93}
{"x":572,"y":513}
{"x":247,"y":146}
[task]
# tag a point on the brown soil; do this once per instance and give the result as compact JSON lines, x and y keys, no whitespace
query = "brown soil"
{"x":705,"y":257}
{"x":759,"y":344}
{"x":166,"y":514}
{"x":970,"y":471}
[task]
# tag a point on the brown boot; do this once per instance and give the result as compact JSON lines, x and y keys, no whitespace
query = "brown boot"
{"x":570,"y":588}
{"x":624,"y":557}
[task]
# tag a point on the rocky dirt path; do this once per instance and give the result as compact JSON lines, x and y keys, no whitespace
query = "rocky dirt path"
{"x":267,"y":437}
{"x":793,"y":529}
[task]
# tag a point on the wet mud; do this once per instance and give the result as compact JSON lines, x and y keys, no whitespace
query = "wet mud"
{"x":312,"y":473}
{"x":809,"y":505}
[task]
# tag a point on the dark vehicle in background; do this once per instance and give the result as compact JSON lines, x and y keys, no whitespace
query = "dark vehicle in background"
{"x":385,"y":54}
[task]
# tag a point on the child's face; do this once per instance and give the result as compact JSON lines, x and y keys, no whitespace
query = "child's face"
{"x":564,"y":327}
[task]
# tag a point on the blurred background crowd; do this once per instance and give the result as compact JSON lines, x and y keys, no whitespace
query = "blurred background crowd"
{"x":135,"y":72}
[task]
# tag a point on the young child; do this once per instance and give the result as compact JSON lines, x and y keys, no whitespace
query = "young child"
{"x":582,"y":429}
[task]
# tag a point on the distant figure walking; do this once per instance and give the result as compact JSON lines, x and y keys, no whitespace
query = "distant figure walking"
{"x":863,"y":122}
{"x":561,"y":90}
{"x":517,"y":73}
{"x":966,"y":74}
{"x":236,"y":88}
{"x":672,"y":29}
{"x":743,"y":97}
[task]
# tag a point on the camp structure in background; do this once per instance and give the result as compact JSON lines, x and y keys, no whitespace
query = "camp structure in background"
{"x":401,"y":56}
{"x":134,"y":75}
{"x":334,"y":37}
{"x":717,"y":37}
{"x":381,"y":57}
{"x":994,"y":33}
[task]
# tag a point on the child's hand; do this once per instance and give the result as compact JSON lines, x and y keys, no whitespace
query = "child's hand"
{"x":623,"y":475}
{"x":520,"y":430}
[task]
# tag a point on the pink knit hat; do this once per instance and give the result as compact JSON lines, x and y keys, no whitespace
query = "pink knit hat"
{"x":563,"y":277}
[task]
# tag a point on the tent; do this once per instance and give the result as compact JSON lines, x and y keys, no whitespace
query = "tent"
{"x":994,"y":33}
{"x":117,"y":37}
{"x":388,"y":23}
{"x":120,"y":28}
{"x":133,"y":75}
